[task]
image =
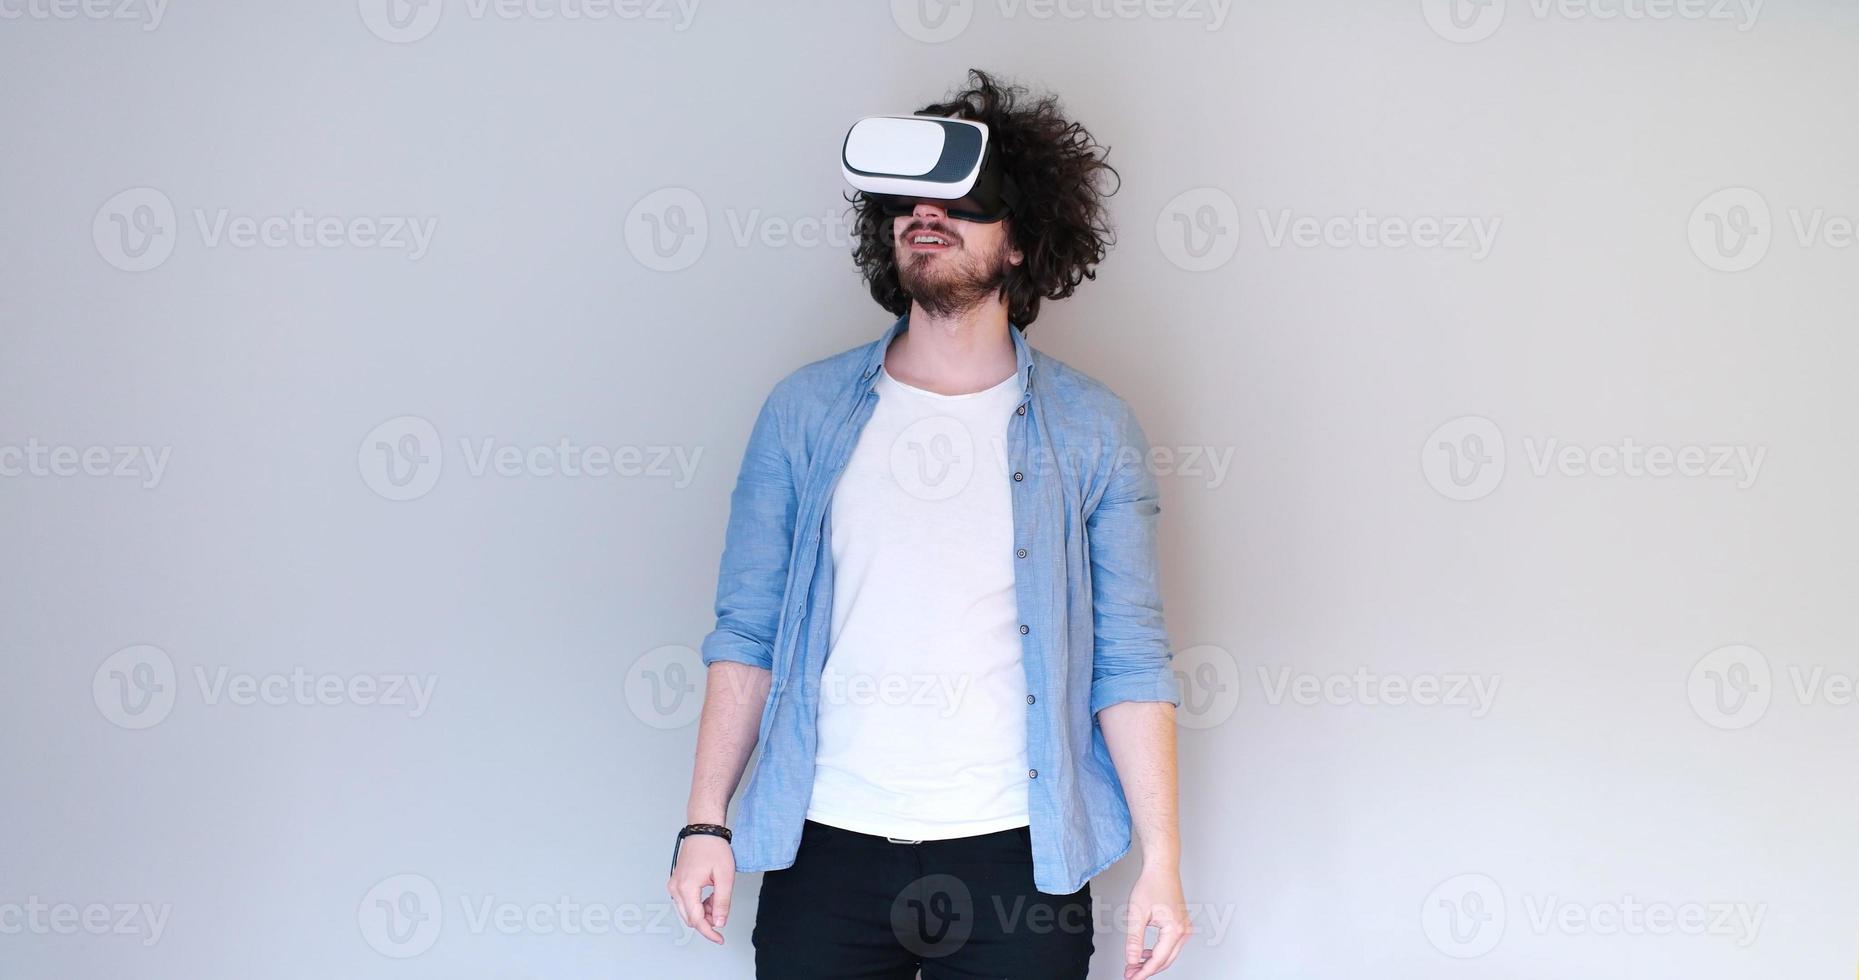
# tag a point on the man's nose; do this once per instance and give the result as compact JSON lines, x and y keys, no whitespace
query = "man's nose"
{"x":929,"y":209}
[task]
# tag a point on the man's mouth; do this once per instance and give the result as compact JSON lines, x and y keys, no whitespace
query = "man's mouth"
{"x":927,"y":241}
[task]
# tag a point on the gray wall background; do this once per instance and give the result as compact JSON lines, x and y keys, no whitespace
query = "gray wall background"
{"x":1511,"y":579}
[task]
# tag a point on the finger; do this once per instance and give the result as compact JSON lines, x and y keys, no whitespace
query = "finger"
{"x":719,"y":899}
{"x":1166,"y":944}
{"x":677,"y":900}
{"x":709,"y":916}
{"x":1133,"y":943}
{"x":1181,"y":943}
{"x":693,"y":910}
{"x":1172,"y":954}
{"x":686,"y":900}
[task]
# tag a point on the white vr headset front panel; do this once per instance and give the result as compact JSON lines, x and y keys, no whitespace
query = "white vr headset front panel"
{"x":914,"y":156}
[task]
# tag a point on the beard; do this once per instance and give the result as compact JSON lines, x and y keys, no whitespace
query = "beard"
{"x":945,"y":285}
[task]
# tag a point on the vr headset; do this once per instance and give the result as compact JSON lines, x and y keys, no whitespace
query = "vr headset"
{"x":900,"y":160}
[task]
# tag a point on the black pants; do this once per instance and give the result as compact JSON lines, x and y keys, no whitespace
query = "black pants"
{"x":858,"y":906}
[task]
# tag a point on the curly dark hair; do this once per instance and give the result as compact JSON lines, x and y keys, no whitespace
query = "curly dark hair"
{"x":1060,"y":226}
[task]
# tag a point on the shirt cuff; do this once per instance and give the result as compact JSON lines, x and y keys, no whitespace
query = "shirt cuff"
{"x":735,"y":648}
{"x":1157,"y":683}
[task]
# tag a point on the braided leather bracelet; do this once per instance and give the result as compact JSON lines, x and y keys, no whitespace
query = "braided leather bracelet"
{"x":713,"y":829}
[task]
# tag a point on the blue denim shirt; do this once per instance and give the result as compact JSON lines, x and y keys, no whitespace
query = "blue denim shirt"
{"x":1084,"y":522}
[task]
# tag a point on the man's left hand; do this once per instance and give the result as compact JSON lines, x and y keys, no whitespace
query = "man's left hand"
{"x":1155,"y":900}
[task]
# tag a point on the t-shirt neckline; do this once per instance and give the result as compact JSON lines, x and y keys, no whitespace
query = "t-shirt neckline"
{"x":939,"y":395}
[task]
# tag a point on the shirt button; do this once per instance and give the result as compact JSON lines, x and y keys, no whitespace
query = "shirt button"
{"x":1021,"y":552}
{"x":1022,"y":410}
{"x":1017,"y":476}
{"x":1024,"y":629}
{"x":1032,"y":774}
{"x":1030,"y":699}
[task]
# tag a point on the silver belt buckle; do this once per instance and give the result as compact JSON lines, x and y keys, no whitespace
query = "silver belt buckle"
{"x":895,"y":840}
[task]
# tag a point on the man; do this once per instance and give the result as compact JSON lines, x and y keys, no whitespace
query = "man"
{"x":939,"y":615}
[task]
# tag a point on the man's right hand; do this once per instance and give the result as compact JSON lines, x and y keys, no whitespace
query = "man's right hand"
{"x":735,"y":695}
{"x":704,"y":860}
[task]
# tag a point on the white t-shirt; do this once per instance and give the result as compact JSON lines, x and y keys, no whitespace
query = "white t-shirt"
{"x":922,"y":716}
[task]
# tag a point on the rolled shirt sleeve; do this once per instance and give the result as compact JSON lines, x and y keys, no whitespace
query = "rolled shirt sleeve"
{"x":752,"y":579}
{"x":1130,"y":661}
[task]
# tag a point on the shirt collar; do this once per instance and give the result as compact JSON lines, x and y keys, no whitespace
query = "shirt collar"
{"x":874,"y":354}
